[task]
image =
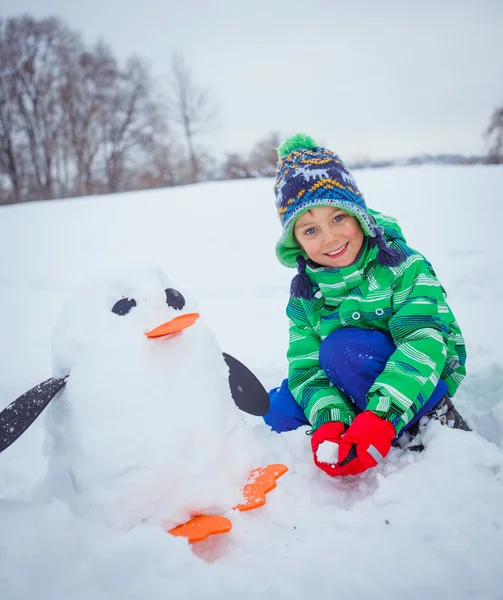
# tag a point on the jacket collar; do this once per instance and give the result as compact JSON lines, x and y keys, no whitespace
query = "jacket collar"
{"x":334,"y":284}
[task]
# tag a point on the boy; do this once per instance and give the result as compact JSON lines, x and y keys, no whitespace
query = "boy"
{"x":374,"y":346}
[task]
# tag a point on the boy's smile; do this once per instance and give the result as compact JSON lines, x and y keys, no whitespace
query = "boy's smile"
{"x":329,"y":236}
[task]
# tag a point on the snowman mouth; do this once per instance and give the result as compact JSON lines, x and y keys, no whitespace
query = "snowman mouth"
{"x":174,"y":326}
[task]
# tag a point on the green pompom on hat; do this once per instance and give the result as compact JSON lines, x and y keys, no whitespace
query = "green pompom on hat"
{"x":301,"y":141}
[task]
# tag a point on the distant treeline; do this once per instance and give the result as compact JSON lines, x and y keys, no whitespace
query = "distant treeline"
{"x":74,"y":122}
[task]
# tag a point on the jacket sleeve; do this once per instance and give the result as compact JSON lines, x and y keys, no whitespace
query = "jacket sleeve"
{"x":419,"y":330}
{"x":308,"y":383}
{"x":454,"y":369}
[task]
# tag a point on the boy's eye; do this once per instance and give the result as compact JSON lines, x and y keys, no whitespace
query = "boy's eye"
{"x":339,"y":218}
{"x":310,"y":231}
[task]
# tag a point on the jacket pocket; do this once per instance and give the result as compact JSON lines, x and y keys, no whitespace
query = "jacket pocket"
{"x":372,"y":312}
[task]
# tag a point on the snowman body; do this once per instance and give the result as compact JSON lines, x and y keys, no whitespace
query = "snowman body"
{"x":145,"y":428}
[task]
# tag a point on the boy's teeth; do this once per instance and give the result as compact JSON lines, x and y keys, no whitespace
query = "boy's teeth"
{"x":336,"y":251}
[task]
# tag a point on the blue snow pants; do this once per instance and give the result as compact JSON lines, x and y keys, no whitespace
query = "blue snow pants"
{"x":352,"y":359}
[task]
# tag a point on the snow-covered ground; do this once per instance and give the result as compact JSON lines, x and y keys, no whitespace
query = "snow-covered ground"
{"x":426,"y":525}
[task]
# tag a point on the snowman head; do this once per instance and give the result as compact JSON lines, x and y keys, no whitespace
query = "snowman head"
{"x":119,"y":310}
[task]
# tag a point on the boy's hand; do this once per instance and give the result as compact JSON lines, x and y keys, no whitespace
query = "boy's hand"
{"x":365,"y":443}
{"x":329,"y":435}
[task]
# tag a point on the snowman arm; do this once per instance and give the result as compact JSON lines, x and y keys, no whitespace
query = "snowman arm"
{"x":22,"y":412}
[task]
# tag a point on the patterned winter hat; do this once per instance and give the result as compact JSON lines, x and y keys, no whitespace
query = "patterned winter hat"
{"x":309,"y":175}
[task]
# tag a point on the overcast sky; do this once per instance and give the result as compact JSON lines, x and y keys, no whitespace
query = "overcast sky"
{"x":367,"y":78}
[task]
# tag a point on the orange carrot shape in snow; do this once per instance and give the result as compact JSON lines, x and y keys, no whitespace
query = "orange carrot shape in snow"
{"x":260,"y":482}
{"x":201,"y":527}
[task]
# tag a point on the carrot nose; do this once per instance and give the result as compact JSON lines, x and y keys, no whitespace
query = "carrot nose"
{"x":174,"y":326}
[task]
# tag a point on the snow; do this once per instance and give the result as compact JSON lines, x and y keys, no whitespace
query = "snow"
{"x":328,"y":452}
{"x":424,"y":524}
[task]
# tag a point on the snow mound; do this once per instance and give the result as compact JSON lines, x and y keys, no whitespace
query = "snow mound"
{"x":419,"y":525}
{"x":145,"y":428}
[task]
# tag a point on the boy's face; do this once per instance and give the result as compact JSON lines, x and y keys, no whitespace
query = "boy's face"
{"x":329,"y":236}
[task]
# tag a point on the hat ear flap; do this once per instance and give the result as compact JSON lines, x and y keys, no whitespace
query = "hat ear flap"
{"x":386,"y":256}
{"x":301,"y":286}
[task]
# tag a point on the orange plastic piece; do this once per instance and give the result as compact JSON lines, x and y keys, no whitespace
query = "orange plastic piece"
{"x":201,"y":527}
{"x":174,"y":326}
{"x":261,"y":481}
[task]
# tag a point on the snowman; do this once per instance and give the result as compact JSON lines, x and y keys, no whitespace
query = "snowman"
{"x":145,"y":427}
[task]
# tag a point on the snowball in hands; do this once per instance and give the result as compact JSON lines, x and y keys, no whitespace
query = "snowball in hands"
{"x":328,"y":452}
{"x":142,"y":422}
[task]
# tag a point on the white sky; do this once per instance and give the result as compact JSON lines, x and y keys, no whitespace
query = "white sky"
{"x":367,"y":78}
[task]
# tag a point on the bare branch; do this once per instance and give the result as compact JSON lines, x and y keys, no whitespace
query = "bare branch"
{"x":494,"y":133}
{"x":191,"y":108}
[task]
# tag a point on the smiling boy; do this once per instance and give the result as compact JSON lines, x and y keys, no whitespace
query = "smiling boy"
{"x":374,"y":348}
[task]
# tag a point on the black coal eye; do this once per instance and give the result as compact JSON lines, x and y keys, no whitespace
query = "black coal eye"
{"x":174,"y":299}
{"x":123,"y":306}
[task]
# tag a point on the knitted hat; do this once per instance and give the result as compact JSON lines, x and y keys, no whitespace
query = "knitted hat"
{"x":308,"y":176}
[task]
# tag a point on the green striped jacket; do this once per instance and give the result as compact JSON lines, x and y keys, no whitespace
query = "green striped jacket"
{"x":406,"y":301}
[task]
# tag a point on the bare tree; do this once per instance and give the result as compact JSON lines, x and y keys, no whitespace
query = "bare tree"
{"x":129,"y":120}
{"x":29,"y":52}
{"x":236,"y":166}
{"x":191,"y":108}
{"x":10,"y":146}
{"x":261,"y":161}
{"x":89,"y":79}
{"x":263,"y":157}
{"x":162,"y":165}
{"x":494,"y":133}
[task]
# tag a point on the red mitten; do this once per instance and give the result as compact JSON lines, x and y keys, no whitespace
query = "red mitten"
{"x":329,"y":432}
{"x":365,"y":443}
